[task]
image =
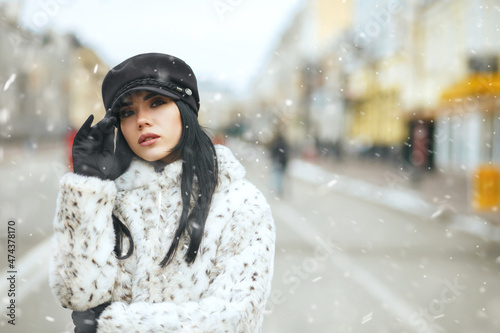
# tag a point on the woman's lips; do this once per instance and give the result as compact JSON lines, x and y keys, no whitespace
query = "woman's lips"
{"x":148,"y":139}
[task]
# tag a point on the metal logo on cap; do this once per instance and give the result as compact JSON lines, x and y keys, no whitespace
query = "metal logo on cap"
{"x":188,"y":91}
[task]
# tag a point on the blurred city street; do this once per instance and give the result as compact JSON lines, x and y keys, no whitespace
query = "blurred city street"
{"x":343,"y":264}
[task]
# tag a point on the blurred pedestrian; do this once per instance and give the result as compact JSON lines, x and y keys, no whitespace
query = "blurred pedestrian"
{"x":162,"y":233}
{"x":279,"y":155}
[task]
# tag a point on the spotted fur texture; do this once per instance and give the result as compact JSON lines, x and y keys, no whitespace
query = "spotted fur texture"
{"x":224,"y":290}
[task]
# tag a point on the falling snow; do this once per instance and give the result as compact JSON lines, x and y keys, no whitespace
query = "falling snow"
{"x":11,"y":80}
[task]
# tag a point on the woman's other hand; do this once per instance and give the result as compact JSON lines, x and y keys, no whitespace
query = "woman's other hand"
{"x":86,"y":321}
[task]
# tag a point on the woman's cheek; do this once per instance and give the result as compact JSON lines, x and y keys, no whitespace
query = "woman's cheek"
{"x":125,"y":128}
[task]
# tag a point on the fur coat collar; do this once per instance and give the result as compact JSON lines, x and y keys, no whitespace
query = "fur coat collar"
{"x":142,"y":173}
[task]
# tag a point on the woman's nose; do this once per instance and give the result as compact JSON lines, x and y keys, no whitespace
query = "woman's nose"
{"x":143,"y":119}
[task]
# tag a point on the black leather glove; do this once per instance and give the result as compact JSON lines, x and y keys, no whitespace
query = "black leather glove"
{"x":94,"y":151}
{"x":86,"y":321}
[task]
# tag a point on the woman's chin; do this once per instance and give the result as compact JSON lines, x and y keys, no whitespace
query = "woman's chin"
{"x":156,"y":157}
{"x":150,"y":157}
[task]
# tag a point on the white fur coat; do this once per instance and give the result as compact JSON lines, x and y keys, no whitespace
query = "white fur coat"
{"x":224,"y":290}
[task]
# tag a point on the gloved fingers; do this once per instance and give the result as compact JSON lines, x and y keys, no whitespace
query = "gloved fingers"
{"x":108,"y":145}
{"x":108,"y":124}
{"x":101,"y":132}
{"x":113,"y":115}
{"x":95,"y":135}
{"x":84,"y":131}
{"x":81,"y":144}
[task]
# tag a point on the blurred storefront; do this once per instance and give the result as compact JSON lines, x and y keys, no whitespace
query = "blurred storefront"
{"x":472,"y":127}
{"x":473,"y":121}
{"x":461,"y":81}
{"x":457,"y":79}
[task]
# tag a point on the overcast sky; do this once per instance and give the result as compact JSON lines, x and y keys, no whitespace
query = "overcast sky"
{"x":225,"y":41}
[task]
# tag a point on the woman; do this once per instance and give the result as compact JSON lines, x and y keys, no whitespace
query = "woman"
{"x":161,"y":233}
{"x":279,"y":155}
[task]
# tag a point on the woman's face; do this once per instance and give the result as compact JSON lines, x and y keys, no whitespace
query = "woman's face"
{"x":151,"y":124}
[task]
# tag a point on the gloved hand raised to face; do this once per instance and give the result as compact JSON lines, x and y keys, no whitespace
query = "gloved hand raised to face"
{"x":94,"y":150}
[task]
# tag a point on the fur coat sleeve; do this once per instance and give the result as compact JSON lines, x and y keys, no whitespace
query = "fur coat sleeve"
{"x":83,"y":266}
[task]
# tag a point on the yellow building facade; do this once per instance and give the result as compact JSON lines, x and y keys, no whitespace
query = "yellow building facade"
{"x":374,"y":110}
{"x":84,"y":84}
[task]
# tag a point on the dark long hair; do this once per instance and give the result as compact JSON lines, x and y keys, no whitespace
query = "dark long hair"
{"x":198,"y":159}
{"x":124,"y":156}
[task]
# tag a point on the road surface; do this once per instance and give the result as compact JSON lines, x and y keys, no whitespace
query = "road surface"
{"x":342,"y":264}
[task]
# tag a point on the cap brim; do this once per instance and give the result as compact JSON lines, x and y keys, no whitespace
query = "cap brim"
{"x":159,"y":90}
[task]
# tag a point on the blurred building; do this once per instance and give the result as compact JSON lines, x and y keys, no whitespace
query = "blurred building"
{"x":335,"y":80}
{"x":377,"y":68}
{"x":415,"y":80}
{"x":85,"y":80}
{"x":280,"y":90}
{"x":295,"y":87}
{"x":50,"y":83}
{"x":220,"y":109}
{"x":34,"y":99}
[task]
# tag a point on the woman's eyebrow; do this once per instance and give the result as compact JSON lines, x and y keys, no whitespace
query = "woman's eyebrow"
{"x":148,"y":96}
{"x":124,"y":103}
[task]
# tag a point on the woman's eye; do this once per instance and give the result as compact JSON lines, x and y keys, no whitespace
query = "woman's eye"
{"x":157,"y":102}
{"x":125,"y":113}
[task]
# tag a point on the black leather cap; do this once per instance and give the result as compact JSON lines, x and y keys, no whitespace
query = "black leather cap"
{"x":156,"y":72}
